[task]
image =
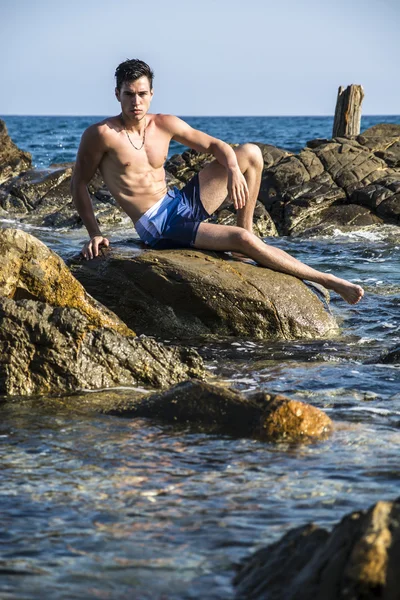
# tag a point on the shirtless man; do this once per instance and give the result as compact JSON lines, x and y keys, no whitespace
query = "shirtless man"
{"x":130,"y":150}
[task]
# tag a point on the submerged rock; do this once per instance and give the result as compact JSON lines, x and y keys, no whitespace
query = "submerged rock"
{"x":46,"y":349}
{"x":188,"y":293}
{"x":357,"y":560}
{"x":270,"y":417}
{"x":391,"y":356}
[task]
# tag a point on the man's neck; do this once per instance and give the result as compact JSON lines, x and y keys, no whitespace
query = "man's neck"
{"x":134,"y":125}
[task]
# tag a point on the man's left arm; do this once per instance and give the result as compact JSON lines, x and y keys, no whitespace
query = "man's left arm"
{"x":225,"y":155}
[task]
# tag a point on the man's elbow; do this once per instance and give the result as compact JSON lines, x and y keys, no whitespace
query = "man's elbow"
{"x":217,"y":145}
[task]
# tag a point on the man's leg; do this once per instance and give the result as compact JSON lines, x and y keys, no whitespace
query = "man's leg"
{"x":225,"y":238}
{"x":213,"y":181}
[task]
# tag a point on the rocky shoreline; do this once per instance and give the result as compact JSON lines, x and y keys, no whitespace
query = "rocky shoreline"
{"x":344,"y":183}
{"x":99,"y":324}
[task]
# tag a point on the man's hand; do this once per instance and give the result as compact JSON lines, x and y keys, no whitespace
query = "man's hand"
{"x":91,"y":248}
{"x":237,"y":188}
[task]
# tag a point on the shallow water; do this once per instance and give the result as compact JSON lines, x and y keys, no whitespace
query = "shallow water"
{"x":96,"y":506}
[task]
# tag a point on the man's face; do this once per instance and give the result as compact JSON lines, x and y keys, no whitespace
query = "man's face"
{"x":135,"y":97}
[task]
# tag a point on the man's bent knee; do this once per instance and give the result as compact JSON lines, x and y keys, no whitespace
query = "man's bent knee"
{"x":253,"y":154}
{"x":242,"y":238}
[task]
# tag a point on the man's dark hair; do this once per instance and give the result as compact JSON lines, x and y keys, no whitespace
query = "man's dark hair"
{"x":130,"y":70}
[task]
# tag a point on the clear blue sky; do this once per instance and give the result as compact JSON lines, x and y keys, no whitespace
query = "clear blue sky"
{"x":210,"y":57}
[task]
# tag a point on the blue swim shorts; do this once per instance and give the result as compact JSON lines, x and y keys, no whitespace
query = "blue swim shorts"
{"x":174,"y":220}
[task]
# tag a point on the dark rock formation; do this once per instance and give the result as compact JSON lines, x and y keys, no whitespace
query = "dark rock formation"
{"x":329,"y":185}
{"x":358,"y":560}
{"x":46,"y":349}
{"x":216,"y":408}
{"x":188,"y":293}
{"x":12,"y":160}
{"x":391,"y":357}
{"x":43,"y":197}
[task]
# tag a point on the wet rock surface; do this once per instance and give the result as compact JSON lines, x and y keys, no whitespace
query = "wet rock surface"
{"x":46,"y":349}
{"x":270,"y":417}
{"x":357,"y":560}
{"x":189,"y":293}
{"x":391,"y":357}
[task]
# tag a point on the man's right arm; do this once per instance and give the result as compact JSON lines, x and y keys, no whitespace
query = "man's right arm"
{"x":91,"y":150}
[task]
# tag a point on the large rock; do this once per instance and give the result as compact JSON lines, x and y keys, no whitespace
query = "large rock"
{"x":319,"y":189}
{"x":46,"y":349}
{"x":30,"y":270}
{"x":55,"y":337}
{"x":12,"y":160}
{"x":270,"y":417}
{"x":188,"y":293}
{"x":358,"y":560}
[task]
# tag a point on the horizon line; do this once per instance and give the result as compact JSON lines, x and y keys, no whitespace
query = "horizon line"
{"x":203,"y":116}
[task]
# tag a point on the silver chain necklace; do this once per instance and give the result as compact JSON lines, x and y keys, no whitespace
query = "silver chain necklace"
{"x":127,"y":135}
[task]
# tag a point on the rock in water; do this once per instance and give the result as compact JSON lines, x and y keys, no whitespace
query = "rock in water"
{"x":55,"y":337}
{"x":269,"y":417}
{"x":12,"y":160}
{"x":390,"y":357}
{"x":187,"y":293}
{"x":46,"y":349}
{"x":358,"y":560}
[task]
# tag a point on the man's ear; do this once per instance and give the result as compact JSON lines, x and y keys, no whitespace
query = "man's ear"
{"x":117,"y":94}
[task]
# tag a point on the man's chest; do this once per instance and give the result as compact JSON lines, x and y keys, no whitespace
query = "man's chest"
{"x":131,"y":153}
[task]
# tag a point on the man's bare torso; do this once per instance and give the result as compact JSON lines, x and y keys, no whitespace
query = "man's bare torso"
{"x":135,"y":178}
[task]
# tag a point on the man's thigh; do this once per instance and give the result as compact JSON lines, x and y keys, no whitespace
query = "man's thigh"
{"x":213,"y":181}
{"x":211,"y":236}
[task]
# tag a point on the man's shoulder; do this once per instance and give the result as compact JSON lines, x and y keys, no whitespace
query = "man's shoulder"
{"x":168,"y":122}
{"x":103,"y":131}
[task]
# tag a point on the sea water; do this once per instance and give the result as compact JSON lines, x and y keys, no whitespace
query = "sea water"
{"x":112,"y":508}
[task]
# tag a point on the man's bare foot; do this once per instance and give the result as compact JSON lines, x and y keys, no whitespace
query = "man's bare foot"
{"x":350,"y":292}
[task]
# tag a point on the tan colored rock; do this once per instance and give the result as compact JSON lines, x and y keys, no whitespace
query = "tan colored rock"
{"x":358,"y":559}
{"x":293,"y":420}
{"x":188,"y":293}
{"x":30,"y":270}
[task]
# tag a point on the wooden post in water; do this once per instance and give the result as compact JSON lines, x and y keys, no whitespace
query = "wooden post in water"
{"x":348,"y":111}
